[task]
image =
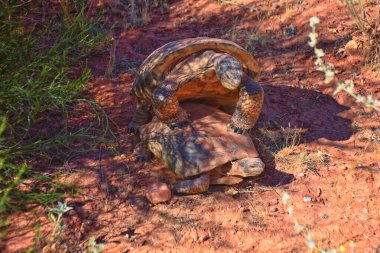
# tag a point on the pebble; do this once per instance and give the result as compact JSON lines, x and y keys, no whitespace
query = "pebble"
{"x":307,"y":199}
{"x":273,"y":209}
{"x":158,"y":192}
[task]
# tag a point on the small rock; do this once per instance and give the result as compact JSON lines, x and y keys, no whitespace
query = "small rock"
{"x":307,"y":199}
{"x":158,"y":192}
{"x":129,"y":233}
{"x":273,"y":209}
{"x":204,"y":238}
{"x":231,"y":192}
{"x":301,"y":174}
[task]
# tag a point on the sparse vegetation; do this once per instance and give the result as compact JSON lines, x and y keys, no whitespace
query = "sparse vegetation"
{"x":369,"y":27}
{"x":42,"y":73}
{"x":311,"y":243}
{"x":329,"y":72}
{"x":56,"y":215}
{"x":135,"y":13}
{"x":282,"y":139}
{"x":94,"y":247}
{"x":310,"y":160}
{"x":319,"y":190}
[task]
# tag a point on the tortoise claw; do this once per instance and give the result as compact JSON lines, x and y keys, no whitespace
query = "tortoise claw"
{"x":143,"y":157}
{"x":133,"y":128}
{"x":180,"y":124}
{"x":236,"y":129}
{"x":142,"y":153}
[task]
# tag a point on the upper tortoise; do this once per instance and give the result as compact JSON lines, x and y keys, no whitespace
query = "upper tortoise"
{"x":215,"y":71}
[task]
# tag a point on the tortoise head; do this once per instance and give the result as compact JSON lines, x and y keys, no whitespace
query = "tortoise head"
{"x":229,"y":71}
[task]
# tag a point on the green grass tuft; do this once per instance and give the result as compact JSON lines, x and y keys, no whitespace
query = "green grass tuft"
{"x":42,"y":75}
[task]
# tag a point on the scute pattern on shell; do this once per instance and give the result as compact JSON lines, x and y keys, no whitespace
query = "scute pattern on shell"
{"x":200,"y":147}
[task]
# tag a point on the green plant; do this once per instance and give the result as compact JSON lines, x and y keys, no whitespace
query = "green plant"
{"x":94,"y":247}
{"x":56,"y":215}
{"x":329,"y":72}
{"x":42,"y":77}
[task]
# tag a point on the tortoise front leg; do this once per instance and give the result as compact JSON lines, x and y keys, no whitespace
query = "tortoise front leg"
{"x":248,"y":107}
{"x":193,"y":186}
{"x":141,"y":117}
{"x":166,"y":106}
{"x":142,"y":152}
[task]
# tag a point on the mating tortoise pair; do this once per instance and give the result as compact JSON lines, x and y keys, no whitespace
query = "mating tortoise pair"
{"x":194,"y":139}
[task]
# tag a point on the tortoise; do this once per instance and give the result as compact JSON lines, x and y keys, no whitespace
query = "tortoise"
{"x":204,"y":152}
{"x":209,"y":70}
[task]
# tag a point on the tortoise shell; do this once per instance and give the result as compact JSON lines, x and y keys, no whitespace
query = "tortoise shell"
{"x":198,"y":148}
{"x":162,"y":60}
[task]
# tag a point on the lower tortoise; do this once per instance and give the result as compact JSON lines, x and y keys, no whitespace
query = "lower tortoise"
{"x":204,"y":152}
{"x":213,"y":71}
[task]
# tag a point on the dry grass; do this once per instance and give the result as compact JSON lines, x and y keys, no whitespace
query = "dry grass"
{"x":282,"y":145}
{"x":369,"y":26}
{"x":371,"y":138}
{"x":136,"y":13}
{"x":292,"y":138}
{"x":311,"y":161}
{"x":112,"y":59}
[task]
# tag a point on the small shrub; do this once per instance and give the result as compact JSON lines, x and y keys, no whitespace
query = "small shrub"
{"x":135,"y":13}
{"x":94,"y":247}
{"x":329,"y":72}
{"x":369,"y":26}
{"x":56,"y":215}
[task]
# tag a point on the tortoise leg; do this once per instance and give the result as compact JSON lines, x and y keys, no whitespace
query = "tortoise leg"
{"x":248,"y":107}
{"x":166,"y":105}
{"x":193,"y":186}
{"x":142,"y":152}
{"x":141,"y":117}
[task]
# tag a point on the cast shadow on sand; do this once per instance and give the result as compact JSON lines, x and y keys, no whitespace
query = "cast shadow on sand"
{"x":314,"y":113}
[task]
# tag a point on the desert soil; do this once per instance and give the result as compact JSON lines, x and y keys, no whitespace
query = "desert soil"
{"x":332,"y":173}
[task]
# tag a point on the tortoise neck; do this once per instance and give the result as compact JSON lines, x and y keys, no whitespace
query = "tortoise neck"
{"x":215,"y":57}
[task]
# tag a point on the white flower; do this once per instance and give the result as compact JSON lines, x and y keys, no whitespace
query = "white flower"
{"x":349,"y":86}
{"x":329,"y":76}
{"x":310,"y":241}
{"x":291,"y":210}
{"x":298,"y":227}
{"x":314,"y":21}
{"x":360,"y":99}
{"x":285,"y":198}
{"x":318,"y":62}
{"x":319,"y":52}
{"x":313,"y":39}
{"x":339,"y":88}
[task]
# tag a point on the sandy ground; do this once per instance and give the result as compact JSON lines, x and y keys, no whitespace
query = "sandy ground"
{"x":332,"y":173}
